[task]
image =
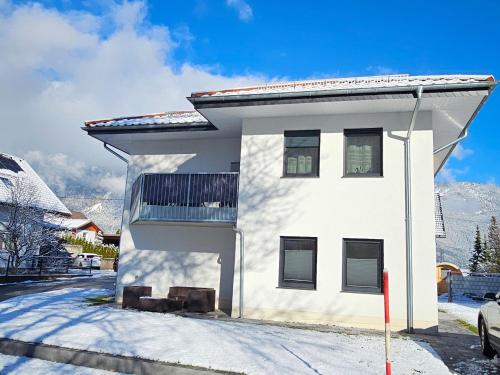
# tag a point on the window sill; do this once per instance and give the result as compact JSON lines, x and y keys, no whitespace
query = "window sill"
{"x":295,"y":288}
{"x":362,"y":176}
{"x":377,"y":292}
{"x":297,"y":177}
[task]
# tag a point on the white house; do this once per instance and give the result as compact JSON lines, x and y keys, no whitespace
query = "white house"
{"x":290,"y":198}
{"x":44,"y":201}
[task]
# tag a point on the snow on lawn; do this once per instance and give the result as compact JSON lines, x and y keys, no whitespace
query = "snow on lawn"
{"x":62,"y":318}
{"x":462,"y":307}
{"x":23,"y":365}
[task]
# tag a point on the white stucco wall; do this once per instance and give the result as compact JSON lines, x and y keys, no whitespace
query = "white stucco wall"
{"x":331,"y":208}
{"x":162,"y":255}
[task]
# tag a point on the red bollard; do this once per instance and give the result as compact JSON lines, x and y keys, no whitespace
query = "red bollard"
{"x":388,"y":370}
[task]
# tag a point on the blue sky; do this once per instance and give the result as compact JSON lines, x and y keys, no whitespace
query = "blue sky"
{"x":298,"y":39}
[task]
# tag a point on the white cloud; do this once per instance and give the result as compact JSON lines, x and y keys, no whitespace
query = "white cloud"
{"x":448,"y":175}
{"x":460,"y":152}
{"x":245,"y":12}
{"x":59,"y":69}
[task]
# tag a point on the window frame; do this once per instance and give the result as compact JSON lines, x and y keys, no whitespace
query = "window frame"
{"x":380,"y":266}
{"x":299,"y":133}
{"x":282,"y":283}
{"x":362,"y":131}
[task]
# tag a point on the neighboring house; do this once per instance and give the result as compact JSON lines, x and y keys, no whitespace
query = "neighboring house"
{"x":45,"y":203}
{"x":319,"y":177}
{"x":82,"y":227}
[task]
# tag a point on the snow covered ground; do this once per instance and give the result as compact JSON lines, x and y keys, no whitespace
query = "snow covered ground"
{"x":462,"y":307}
{"x":62,"y":318}
{"x":23,"y":365}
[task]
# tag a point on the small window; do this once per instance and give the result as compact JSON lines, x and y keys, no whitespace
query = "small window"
{"x":363,"y":152}
{"x":301,"y":158}
{"x":298,"y":262}
{"x":362,"y":265}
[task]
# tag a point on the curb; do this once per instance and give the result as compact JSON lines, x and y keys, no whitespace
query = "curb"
{"x":102,"y":361}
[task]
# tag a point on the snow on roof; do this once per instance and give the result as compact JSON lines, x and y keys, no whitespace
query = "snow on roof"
{"x":74,"y":223}
{"x":46,"y":199}
{"x":400,"y":80}
{"x":164,"y":118}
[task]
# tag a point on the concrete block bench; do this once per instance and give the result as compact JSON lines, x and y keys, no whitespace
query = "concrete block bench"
{"x":132,"y":295}
{"x":161,"y":305}
{"x":194,"y":299}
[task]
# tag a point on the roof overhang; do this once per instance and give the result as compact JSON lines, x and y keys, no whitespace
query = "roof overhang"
{"x":453,"y":106}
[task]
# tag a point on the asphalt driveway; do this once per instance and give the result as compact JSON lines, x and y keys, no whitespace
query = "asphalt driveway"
{"x":97,"y":281}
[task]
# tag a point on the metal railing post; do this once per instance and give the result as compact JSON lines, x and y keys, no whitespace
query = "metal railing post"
{"x":450,"y":291}
{"x":8,"y":265}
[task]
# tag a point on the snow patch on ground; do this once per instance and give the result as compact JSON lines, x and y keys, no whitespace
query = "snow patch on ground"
{"x":24,"y":365}
{"x":462,"y":307}
{"x":62,"y":318}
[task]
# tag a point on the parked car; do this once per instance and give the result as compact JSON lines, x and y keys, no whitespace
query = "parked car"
{"x":115,"y":264}
{"x":88,"y":260}
{"x":489,"y":324}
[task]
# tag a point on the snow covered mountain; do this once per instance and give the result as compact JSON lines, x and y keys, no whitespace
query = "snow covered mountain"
{"x":465,"y":205}
{"x":105,"y":211}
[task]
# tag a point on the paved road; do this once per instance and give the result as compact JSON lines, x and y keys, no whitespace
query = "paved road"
{"x":98,"y":282}
{"x":460,"y":349}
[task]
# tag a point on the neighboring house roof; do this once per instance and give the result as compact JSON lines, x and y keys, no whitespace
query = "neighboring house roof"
{"x":438,"y":217}
{"x":78,"y":215}
{"x":12,"y":168}
{"x":73,"y":223}
{"x":178,"y":118}
{"x":352,"y":83}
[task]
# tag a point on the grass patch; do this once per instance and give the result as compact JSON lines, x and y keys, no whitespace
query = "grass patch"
{"x":441,"y":310}
{"x":100,"y":300}
{"x":467,"y":325}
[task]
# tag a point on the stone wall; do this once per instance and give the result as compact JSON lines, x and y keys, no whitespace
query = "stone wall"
{"x":475,"y":285}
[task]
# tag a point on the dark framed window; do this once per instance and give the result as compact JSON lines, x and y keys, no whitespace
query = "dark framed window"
{"x":363,"y":152}
{"x":362,"y":265}
{"x":298,"y":262}
{"x":301,"y":156}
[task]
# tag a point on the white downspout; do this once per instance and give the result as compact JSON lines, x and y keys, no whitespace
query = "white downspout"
{"x":451,"y":143}
{"x":408,"y":216}
{"x":242,"y":266}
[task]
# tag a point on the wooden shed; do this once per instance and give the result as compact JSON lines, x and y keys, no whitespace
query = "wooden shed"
{"x":441,"y":272}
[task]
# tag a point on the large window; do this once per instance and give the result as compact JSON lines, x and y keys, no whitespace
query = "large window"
{"x":363,"y":265}
{"x":301,"y":157}
{"x":363,"y":152}
{"x":298,"y":262}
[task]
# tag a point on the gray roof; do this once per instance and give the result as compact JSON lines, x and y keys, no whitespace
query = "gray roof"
{"x":438,"y":217}
{"x":178,"y":118}
{"x":352,"y":83}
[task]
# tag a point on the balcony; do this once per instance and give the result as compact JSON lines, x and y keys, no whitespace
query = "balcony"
{"x":172,"y":197}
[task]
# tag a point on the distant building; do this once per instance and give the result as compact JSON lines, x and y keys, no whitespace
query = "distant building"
{"x":82,"y":227}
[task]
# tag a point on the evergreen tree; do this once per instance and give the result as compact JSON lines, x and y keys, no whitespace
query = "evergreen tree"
{"x":493,"y":243}
{"x":475,"y":260}
{"x":485,"y":259}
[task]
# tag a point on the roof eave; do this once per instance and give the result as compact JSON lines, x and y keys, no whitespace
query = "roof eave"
{"x":150,"y":128}
{"x":319,"y":95}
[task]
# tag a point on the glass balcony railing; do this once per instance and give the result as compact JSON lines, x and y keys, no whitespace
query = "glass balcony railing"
{"x":179,"y":197}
